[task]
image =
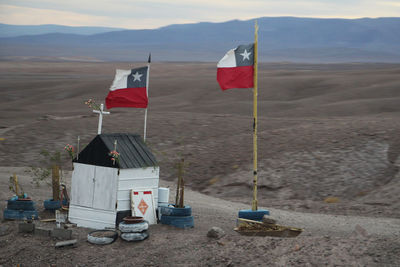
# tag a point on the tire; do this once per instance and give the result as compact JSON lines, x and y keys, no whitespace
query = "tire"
{"x":178,"y":221}
{"x":20,"y":214}
{"x":132,"y":237}
{"x":102,"y":240}
{"x":20,"y":205}
{"x":50,"y":204}
{"x":133,"y":227}
{"x":172,"y":211}
{"x":255,"y":215}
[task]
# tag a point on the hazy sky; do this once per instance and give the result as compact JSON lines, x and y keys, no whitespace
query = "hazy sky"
{"x":148,"y":14}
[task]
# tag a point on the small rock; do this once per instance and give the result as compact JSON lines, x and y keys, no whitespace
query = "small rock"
{"x":215,"y":232}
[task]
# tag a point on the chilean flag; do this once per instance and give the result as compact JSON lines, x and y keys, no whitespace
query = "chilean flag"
{"x":236,"y":68}
{"x":128,"y":89}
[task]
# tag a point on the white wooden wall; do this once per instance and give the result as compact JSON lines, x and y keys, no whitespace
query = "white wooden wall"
{"x":82,"y":185}
{"x":97,"y":193}
{"x":140,"y":178}
{"x":93,"y":196}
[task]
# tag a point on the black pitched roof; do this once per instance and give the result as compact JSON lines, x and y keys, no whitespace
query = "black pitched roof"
{"x":132,"y":150}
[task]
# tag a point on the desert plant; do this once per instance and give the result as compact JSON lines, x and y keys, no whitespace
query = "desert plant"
{"x":48,"y":160}
{"x":92,"y":104}
{"x":180,"y":189}
{"x":114,"y":157}
{"x":15,"y":187}
{"x":70,"y":150}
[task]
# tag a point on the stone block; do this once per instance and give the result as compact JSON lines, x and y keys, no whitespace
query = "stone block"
{"x":42,"y":231}
{"x":61,"y":233}
{"x":26,"y":227}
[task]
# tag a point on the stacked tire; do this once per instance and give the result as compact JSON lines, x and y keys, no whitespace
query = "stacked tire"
{"x":178,"y":217}
{"x":18,"y":209}
{"x":132,"y":232}
{"x":52,"y":205}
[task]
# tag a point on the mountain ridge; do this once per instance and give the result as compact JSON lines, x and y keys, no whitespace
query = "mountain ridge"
{"x":280,"y":39}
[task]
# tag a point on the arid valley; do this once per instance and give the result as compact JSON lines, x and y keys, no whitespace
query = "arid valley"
{"x":325,"y":131}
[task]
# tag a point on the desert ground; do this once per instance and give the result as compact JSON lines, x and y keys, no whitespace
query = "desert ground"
{"x":325,"y":131}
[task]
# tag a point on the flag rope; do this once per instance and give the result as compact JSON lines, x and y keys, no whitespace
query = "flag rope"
{"x":254,"y":205}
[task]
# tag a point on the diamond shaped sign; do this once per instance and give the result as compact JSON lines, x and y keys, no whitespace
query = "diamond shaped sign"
{"x":143,"y":206}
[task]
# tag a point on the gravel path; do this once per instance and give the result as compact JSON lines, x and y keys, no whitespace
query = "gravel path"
{"x":211,"y":208}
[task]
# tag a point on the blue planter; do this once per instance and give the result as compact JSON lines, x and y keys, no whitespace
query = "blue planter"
{"x":20,"y":214}
{"x":172,"y":211}
{"x":178,"y":221}
{"x":50,"y":204}
{"x":255,"y":215}
{"x":15,"y":204}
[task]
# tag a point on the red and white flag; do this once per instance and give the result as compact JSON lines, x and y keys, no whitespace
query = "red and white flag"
{"x":236,"y":68}
{"x":129,"y":89}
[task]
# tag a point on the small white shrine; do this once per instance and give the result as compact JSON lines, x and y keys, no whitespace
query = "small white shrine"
{"x":101,"y":188}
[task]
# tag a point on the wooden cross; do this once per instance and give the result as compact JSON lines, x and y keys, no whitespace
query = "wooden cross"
{"x":100,"y":112}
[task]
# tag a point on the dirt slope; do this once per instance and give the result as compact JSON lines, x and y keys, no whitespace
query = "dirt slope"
{"x":326,"y":240}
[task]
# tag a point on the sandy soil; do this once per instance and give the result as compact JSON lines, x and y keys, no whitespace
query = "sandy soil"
{"x":326,"y":240}
{"x":324,"y":131}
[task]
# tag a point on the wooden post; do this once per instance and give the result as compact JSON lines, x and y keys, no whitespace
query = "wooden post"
{"x":56,"y":182}
{"x":178,"y":187}
{"x":254,"y":205}
{"x":16,"y":184}
{"x":181,"y":202}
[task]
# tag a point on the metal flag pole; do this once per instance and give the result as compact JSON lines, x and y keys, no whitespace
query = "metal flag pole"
{"x":254,"y":205}
{"x":77,"y":150}
{"x":147,"y":93}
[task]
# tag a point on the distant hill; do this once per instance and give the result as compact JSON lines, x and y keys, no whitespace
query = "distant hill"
{"x":20,"y":30}
{"x":280,"y":39}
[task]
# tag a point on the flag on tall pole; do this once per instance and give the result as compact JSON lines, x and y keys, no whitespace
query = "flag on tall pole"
{"x":254,"y":205}
{"x":238,"y":69}
{"x":129,"y":89}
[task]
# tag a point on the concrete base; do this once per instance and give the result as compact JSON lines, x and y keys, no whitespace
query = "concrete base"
{"x":40,"y":231}
{"x":61,"y":233}
{"x":26,"y":227}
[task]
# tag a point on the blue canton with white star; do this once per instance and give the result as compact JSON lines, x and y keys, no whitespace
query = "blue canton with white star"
{"x":137,"y":78}
{"x":244,"y":55}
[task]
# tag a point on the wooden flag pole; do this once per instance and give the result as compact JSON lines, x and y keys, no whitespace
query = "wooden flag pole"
{"x":254,"y":205}
{"x":147,"y":93}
